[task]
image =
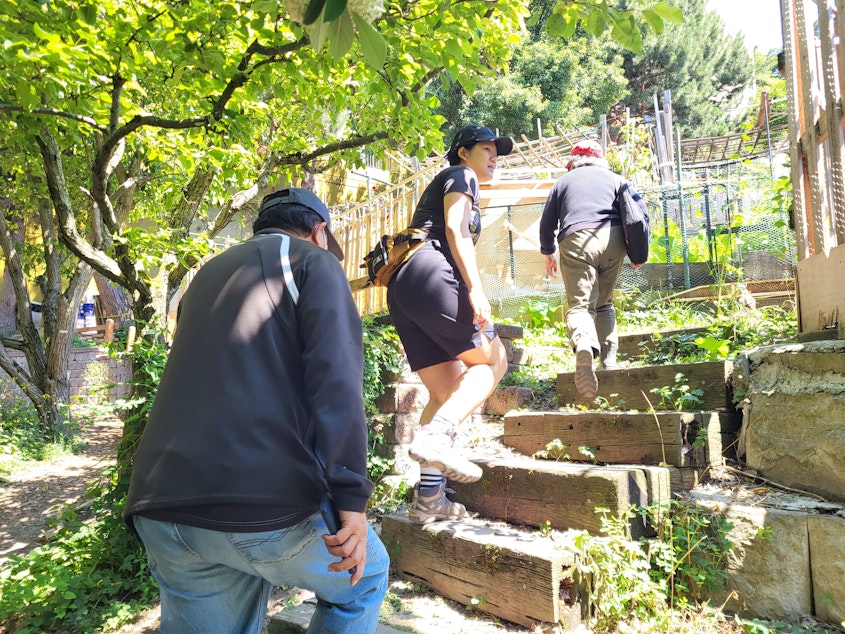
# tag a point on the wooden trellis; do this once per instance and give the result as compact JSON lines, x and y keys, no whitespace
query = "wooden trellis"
{"x":814,"y":67}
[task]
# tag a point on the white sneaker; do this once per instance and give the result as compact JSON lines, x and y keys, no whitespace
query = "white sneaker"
{"x":435,"y":451}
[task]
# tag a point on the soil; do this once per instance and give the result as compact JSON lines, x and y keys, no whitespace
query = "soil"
{"x":32,"y":494}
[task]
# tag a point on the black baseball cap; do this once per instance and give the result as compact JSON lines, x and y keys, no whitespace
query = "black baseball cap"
{"x":474,"y":133}
{"x":306,"y":198}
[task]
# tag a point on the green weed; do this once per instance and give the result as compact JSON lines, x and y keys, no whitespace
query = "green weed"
{"x":679,"y":397}
{"x":555,"y":450}
{"x":644,"y":581}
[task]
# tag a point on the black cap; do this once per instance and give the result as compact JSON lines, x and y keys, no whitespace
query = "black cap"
{"x":306,"y":198}
{"x":474,"y":133}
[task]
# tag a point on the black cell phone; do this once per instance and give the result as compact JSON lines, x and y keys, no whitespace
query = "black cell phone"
{"x":330,"y":514}
{"x":332,"y":519}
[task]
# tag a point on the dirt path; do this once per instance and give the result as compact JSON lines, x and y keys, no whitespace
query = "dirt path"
{"x":32,"y":494}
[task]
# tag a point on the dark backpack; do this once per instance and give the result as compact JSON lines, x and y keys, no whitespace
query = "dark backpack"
{"x":635,"y":224}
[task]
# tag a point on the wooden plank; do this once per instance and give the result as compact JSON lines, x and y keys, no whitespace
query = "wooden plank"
{"x":519,"y":576}
{"x":531,"y":492}
{"x":633,"y":385}
{"x":719,"y":431}
{"x":822,"y":302}
{"x":612,"y":437}
{"x":686,"y":478}
{"x":637,"y":344}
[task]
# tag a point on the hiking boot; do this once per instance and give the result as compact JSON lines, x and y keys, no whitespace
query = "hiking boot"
{"x":426,"y":510}
{"x":434,"y":450}
{"x":608,"y":356}
{"x":585,"y":377}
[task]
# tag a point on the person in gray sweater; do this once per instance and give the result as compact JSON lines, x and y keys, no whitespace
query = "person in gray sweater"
{"x":582,"y":217}
{"x":259,"y":415}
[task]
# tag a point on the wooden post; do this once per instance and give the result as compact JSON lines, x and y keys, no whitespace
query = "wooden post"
{"x":130,"y":338}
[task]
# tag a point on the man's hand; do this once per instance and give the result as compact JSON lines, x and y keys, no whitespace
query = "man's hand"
{"x":350,"y":544}
{"x":551,"y":266}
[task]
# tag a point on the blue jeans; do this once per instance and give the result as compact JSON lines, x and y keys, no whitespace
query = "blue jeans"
{"x":215,"y":582}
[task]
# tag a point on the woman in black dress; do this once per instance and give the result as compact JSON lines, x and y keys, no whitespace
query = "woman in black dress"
{"x":444,"y":319}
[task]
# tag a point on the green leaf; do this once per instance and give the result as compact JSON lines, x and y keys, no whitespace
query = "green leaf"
{"x":558,"y":26}
{"x":373,"y":45}
{"x":342,"y":35}
{"x":654,"y":21}
{"x":318,"y":33}
{"x":44,"y":35}
{"x":334,"y":9}
{"x":672,"y":14}
{"x":625,"y":32}
{"x":315,"y":8}
{"x":88,"y":13}
{"x":265,"y":6}
{"x":596,"y":22}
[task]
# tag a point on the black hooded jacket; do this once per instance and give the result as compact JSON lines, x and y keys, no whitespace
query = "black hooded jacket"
{"x":260,"y":406}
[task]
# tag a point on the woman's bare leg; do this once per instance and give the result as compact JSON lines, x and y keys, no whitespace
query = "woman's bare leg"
{"x":438,"y":380}
{"x":458,"y":395}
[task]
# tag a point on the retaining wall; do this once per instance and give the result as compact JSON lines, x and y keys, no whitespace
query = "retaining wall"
{"x":95,"y":377}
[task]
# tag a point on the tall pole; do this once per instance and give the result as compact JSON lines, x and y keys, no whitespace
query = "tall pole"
{"x":682,"y":221}
{"x":765,"y":97}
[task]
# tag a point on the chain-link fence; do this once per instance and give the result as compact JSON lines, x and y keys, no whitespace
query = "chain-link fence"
{"x":714,"y":231}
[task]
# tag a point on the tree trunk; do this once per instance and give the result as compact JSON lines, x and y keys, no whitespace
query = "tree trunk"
{"x":8,"y":304}
{"x":114,"y":301}
{"x":7,"y":307}
{"x":45,"y":378}
{"x":145,"y":366}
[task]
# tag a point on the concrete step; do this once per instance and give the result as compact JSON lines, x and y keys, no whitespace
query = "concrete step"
{"x":677,"y":439}
{"x":521,"y":576}
{"x":532,"y":492}
{"x":632,"y":386}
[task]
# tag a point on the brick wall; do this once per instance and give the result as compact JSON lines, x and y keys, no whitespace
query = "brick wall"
{"x":91,"y":372}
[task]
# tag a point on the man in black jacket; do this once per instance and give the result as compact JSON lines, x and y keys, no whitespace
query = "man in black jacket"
{"x":259,"y":414}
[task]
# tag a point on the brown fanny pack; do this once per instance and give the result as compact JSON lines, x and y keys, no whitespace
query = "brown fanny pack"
{"x":391,"y":253}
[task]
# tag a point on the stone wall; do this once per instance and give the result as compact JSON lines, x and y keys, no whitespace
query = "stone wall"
{"x":95,"y":377}
{"x":786,"y":562}
{"x":793,"y":429}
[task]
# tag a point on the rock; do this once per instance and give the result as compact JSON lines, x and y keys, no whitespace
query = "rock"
{"x":505,"y":399}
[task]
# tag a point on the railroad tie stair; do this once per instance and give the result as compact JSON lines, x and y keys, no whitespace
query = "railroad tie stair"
{"x":512,"y":559}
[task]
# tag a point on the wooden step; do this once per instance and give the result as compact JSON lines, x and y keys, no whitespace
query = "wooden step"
{"x":539,"y":355}
{"x":667,"y":438}
{"x":565,"y":494}
{"x":636,"y":344}
{"x":633,"y":385}
{"x":520,"y":576}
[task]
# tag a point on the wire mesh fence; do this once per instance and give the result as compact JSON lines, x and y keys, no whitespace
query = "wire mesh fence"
{"x":715,"y":231}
